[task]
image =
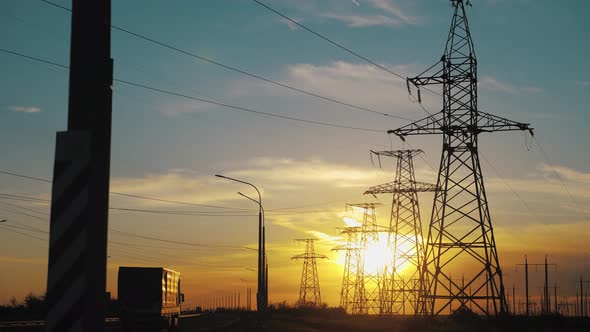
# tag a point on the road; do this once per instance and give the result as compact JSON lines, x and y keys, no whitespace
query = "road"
{"x":188,"y":323}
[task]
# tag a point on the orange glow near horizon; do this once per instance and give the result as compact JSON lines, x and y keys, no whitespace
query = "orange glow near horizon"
{"x":378,"y":254}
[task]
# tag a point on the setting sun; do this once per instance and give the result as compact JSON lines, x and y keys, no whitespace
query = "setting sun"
{"x":378,"y":255}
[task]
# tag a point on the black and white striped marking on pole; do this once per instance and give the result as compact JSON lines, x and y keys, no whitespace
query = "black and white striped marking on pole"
{"x":67,"y":274}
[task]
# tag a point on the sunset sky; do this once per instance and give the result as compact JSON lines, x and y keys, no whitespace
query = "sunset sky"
{"x":532,"y":57}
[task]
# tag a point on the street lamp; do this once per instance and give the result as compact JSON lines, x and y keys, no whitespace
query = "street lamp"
{"x":262,"y":294}
{"x":264,"y":261}
{"x":257,"y":202}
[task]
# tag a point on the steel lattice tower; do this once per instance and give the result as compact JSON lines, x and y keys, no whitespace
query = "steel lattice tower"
{"x":309,"y":291}
{"x":460,"y":236}
{"x":367,"y":292}
{"x":351,"y":264}
{"x":401,"y":283}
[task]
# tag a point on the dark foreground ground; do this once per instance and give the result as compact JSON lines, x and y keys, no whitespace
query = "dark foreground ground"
{"x":337,"y":322}
{"x":318,"y":322}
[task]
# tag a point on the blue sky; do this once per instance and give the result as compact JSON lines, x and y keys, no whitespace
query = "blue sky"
{"x":532,"y":66}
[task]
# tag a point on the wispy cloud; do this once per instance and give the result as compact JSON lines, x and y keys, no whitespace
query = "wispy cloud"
{"x":360,"y":21}
{"x":176,"y":185}
{"x":364,"y":13}
{"x":24,"y":109}
{"x":359,"y":84}
{"x":549,"y":181}
{"x":531,"y":89}
{"x":491,"y":83}
{"x":391,"y":8}
{"x":565,"y":173}
{"x":292,"y":26}
{"x":180,"y":108}
{"x":280,"y":174}
{"x":302,"y":173}
{"x":583,"y":83}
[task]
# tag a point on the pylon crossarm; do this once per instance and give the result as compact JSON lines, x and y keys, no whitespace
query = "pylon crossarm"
{"x":397,"y":153}
{"x":488,"y":123}
{"x":432,"y":125}
{"x":340,"y":248}
{"x":435,"y":124}
{"x":425,"y":79}
{"x":395,"y":187}
{"x":306,"y":256}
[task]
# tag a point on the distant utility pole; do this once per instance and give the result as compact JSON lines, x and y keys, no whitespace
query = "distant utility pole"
{"x":461,"y":235}
{"x":309,"y":291}
{"x":546,"y":302}
{"x":513,"y":300}
{"x":401,"y":285}
{"x":76,"y":278}
{"x":583,"y":298}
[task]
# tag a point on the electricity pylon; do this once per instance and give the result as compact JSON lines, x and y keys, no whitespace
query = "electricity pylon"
{"x":460,"y":236}
{"x":401,"y":282}
{"x":309,"y":292}
{"x":351,"y":264}
{"x":367,"y":291}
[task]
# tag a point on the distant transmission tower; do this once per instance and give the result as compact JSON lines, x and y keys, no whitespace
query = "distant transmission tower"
{"x":351,"y":264}
{"x":401,"y":283}
{"x":367,"y":292}
{"x":309,"y":292}
{"x":460,"y":236}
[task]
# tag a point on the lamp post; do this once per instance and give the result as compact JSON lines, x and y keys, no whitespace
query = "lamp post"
{"x":264,"y":261}
{"x":261,"y":294}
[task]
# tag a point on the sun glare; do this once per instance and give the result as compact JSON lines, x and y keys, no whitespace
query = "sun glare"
{"x":378,"y":255}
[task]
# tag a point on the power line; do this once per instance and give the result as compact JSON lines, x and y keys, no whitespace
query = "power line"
{"x":25,"y":234}
{"x":212,"y":102}
{"x":524,"y":203}
{"x":337,"y":44}
{"x":232,"y":213}
{"x":218,"y":214}
{"x":25,"y":176}
{"x":56,"y":5}
{"x":24,"y":208}
{"x":329,"y":40}
{"x":281,"y":211}
{"x":158,"y":260}
{"x":26,"y":228}
{"x":550,"y":164}
{"x":249,"y":110}
{"x":114,"y":193}
{"x":241,"y":71}
{"x":164,"y":247}
{"x":182,"y":213}
{"x":185,"y":213}
{"x":145,"y":237}
{"x":136,"y":256}
{"x":179,"y":202}
{"x":199,"y":245}
{"x":23,"y":198}
{"x":20,"y":212}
